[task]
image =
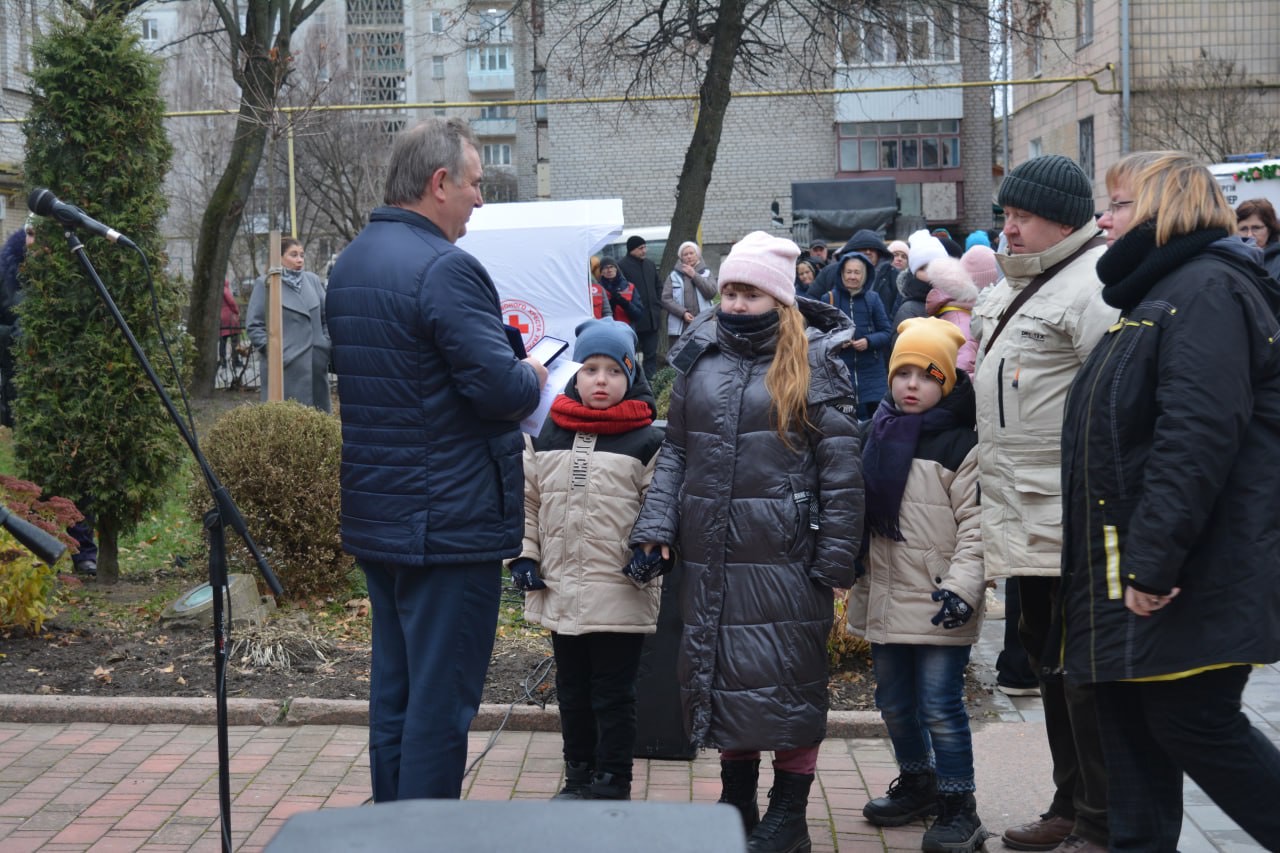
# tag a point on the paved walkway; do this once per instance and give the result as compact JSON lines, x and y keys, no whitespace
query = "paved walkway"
{"x":86,"y":786}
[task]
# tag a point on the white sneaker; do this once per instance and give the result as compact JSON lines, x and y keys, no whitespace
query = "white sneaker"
{"x":995,"y":607}
{"x":1018,"y":691}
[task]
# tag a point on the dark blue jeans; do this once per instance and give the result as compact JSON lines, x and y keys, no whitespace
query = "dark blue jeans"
{"x":596,"y":689}
{"x":1154,"y":731}
{"x":920,"y":694}
{"x":433,"y":634}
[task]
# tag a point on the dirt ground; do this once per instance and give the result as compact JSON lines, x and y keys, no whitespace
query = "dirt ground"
{"x":101,"y":654}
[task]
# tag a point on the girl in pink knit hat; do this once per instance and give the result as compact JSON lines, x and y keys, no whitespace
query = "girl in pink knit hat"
{"x":758,"y":488}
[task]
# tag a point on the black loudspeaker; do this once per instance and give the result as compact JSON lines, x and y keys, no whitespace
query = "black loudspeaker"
{"x":659,"y":719}
{"x":450,"y":826}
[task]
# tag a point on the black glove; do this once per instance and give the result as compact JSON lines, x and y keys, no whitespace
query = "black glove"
{"x":524,"y":574}
{"x":645,"y":567}
{"x":954,"y":612}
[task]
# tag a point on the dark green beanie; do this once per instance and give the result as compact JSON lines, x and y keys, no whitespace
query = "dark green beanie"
{"x":1051,"y":186}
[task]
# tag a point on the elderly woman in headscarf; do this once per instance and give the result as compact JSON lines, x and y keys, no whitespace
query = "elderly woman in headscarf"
{"x":689,"y":291}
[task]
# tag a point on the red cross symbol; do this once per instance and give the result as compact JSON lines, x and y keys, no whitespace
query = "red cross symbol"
{"x":514,"y":319}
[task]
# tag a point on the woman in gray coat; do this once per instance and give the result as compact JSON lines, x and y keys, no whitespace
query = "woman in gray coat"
{"x":759,"y":485}
{"x":302,"y":322}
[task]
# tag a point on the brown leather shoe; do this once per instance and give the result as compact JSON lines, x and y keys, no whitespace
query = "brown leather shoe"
{"x":1046,"y":833}
{"x":1076,"y":844}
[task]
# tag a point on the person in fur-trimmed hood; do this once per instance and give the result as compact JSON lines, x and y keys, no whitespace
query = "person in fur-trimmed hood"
{"x":952,"y":295}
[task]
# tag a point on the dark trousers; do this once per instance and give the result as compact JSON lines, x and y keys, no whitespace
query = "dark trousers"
{"x":1012,"y":667}
{"x":596,"y":689}
{"x":433,"y":632}
{"x":1154,"y":731}
{"x":1070,"y":718}
{"x":649,"y":351}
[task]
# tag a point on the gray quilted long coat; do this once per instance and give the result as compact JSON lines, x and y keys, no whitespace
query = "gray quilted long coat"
{"x":765,"y":532}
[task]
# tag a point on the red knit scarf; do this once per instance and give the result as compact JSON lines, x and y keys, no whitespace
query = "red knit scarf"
{"x":624,"y":417}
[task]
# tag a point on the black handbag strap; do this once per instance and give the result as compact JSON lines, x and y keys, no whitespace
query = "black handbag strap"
{"x":1036,"y":283}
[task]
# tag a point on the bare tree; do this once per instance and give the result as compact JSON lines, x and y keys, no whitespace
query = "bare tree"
{"x":656,"y":47}
{"x":258,"y":35}
{"x":1210,"y":108}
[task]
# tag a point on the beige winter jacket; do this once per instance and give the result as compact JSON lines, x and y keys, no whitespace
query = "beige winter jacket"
{"x":940,"y":519}
{"x":1022,"y":386}
{"x":580,"y":503}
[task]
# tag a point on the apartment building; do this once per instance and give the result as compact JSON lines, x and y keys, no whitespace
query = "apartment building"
{"x":1202,"y":76}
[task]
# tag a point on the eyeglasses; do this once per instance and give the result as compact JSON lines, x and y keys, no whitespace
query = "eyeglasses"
{"x":1115,"y":206}
{"x":1252,"y":229}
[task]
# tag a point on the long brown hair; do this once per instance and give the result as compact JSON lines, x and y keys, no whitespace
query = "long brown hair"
{"x":788,"y":378}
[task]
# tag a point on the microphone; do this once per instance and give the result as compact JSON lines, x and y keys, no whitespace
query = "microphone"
{"x":42,"y":202}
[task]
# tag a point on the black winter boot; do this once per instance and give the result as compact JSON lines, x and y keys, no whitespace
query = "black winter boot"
{"x":911,"y":796}
{"x":608,"y":786}
{"x":783,"y":828}
{"x":958,"y":828}
{"x":738,"y":780}
{"x":577,"y":778}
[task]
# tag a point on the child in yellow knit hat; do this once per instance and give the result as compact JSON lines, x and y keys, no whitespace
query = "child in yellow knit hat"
{"x":920,"y":601}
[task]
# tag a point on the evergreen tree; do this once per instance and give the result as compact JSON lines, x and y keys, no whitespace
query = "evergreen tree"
{"x":88,"y":424}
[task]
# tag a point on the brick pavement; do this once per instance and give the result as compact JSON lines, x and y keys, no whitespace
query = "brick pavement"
{"x":69,"y":786}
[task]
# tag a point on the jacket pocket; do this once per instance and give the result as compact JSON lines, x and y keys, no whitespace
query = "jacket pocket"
{"x":506,"y":451}
{"x":1037,"y":479}
{"x":804,"y":502}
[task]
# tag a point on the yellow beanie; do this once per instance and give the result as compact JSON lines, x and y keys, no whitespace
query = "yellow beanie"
{"x":930,"y":344}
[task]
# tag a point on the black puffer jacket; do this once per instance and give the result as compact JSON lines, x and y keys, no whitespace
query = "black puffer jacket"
{"x":1169,"y":447}
{"x":765,"y":532}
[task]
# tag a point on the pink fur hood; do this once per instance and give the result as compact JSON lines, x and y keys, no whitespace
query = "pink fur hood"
{"x":949,"y":284}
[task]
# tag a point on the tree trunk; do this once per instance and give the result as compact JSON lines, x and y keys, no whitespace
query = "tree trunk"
{"x":108,"y":530}
{"x":222,"y":218}
{"x":700,"y":158}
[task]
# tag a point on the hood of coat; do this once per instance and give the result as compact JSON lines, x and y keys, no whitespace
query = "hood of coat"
{"x":868,"y":269}
{"x":866,"y":239}
{"x":951,"y":285}
{"x":1251,"y":256}
{"x":827,"y":328}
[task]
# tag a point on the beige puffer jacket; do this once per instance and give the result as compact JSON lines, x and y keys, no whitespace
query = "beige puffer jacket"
{"x":942,"y":549}
{"x":1022,"y":386}
{"x":582,"y":494}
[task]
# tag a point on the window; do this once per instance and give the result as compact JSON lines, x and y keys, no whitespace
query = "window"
{"x":540,"y":93}
{"x":495,"y":155}
{"x":899,"y":145}
{"x":437,"y":67}
{"x":436,"y":23}
{"x":501,"y":111}
{"x":1037,"y":53}
{"x":439,"y":111}
{"x":1035,"y":148}
{"x":492,"y":27}
{"x":1084,"y":137}
{"x":1084,"y":23}
{"x":150,"y":29}
{"x":924,"y":35}
{"x":491,"y":58}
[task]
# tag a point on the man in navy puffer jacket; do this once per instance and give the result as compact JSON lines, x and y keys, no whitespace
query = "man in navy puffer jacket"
{"x":432,"y":483}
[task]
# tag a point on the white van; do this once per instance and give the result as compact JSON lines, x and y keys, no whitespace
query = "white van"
{"x":655,"y":238}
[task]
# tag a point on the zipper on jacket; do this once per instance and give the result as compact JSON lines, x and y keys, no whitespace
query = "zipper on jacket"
{"x":1000,"y":390}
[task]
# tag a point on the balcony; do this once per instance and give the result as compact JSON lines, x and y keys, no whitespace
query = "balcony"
{"x":491,"y":81}
{"x":494,"y":126}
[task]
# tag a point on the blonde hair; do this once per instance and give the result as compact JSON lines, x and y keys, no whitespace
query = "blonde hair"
{"x":1181,"y":195}
{"x":788,"y":378}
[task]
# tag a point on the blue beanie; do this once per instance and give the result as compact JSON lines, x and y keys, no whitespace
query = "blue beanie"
{"x":977,"y":238}
{"x":608,"y":338}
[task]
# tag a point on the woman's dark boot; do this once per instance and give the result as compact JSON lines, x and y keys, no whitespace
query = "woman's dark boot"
{"x":783,"y":828}
{"x":958,"y":828}
{"x":577,"y":778}
{"x":738,"y":781}
{"x":911,"y":796}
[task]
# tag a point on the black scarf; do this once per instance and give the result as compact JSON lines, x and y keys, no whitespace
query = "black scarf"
{"x":886,"y":459}
{"x":1134,"y":263}
{"x":746,"y":325}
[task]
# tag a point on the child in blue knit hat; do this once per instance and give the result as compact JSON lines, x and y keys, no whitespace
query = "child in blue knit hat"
{"x":585,"y":475}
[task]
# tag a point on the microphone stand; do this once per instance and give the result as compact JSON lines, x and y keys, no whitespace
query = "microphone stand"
{"x":225,"y":513}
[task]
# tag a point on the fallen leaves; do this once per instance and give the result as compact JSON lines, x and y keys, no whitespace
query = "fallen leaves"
{"x":102,"y":674}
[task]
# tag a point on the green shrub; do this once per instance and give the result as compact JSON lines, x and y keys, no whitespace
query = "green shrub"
{"x":662,"y":382}
{"x":26,"y":584}
{"x":280,"y":463}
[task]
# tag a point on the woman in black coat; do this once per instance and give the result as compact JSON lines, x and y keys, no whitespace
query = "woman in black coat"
{"x":1171,"y":510}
